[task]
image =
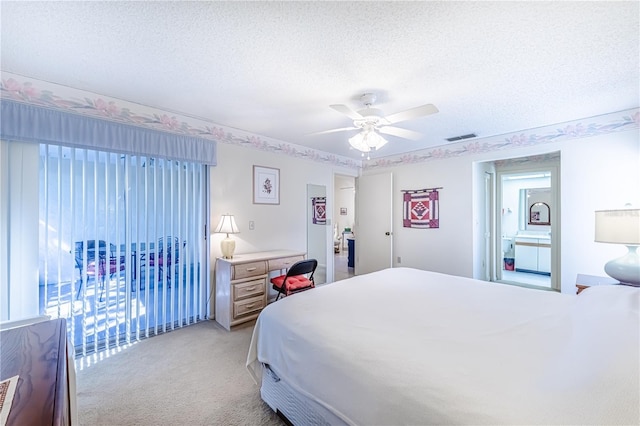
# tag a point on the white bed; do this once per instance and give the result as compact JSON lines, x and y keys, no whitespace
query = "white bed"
{"x":405,"y":346}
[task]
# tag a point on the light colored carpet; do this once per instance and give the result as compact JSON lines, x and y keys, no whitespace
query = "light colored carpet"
{"x":192,"y":376}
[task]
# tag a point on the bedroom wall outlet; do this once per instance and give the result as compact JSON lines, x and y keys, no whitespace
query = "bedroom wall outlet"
{"x":252,"y":225}
{"x":399,"y":259}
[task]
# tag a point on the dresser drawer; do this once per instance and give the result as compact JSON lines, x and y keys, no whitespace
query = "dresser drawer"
{"x":284,"y":263}
{"x":248,"y":306}
{"x":248,"y":289}
{"x":251,"y":269}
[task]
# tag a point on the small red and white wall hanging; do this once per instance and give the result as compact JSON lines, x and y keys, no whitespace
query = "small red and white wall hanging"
{"x":421,"y":208}
{"x":319,"y":206}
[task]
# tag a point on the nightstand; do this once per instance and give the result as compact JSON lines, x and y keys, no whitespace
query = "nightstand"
{"x":586,"y":281}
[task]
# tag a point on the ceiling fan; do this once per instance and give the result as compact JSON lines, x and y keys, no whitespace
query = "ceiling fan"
{"x":372,"y":122}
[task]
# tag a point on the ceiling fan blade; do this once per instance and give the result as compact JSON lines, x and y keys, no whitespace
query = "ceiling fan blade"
{"x":332,"y":131}
{"x":408,"y":114}
{"x":401,"y":133}
{"x":343,"y":109}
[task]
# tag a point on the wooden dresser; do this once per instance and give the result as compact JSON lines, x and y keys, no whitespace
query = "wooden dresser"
{"x":38,"y":354}
{"x":242,"y":284}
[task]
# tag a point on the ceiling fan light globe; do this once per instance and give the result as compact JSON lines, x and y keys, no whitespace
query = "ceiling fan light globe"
{"x":357,"y":142}
{"x":375,"y":141}
{"x":367,"y":141}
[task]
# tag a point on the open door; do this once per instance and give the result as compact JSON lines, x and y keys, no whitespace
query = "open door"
{"x":374,"y":223}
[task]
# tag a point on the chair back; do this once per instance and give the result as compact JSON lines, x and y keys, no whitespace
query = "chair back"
{"x":172,"y":248}
{"x":91,"y":251}
{"x":303,"y":267}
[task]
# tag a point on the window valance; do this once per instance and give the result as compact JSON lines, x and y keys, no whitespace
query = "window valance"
{"x":32,"y":123}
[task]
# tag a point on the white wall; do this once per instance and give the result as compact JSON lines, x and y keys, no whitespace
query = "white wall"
{"x":282,"y":226}
{"x":438,"y":249}
{"x":598,"y":172}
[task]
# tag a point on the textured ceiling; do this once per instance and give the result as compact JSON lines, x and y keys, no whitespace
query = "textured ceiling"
{"x":273,"y":68}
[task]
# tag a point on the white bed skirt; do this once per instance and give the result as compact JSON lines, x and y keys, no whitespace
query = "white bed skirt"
{"x":298,"y":409}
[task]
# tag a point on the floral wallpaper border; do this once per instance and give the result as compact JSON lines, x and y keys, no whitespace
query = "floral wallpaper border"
{"x":51,"y":95}
{"x":538,"y":159}
{"x":599,"y":125}
{"x":59,"y":97}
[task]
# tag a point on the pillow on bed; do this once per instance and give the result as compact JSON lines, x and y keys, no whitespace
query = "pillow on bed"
{"x":596,"y":374}
{"x":606,"y":325}
{"x":610,"y":300}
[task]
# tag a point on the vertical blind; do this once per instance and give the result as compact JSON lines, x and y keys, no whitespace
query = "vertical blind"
{"x":123,"y":252}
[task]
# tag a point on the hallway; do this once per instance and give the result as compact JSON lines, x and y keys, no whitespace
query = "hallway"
{"x":341,"y":271}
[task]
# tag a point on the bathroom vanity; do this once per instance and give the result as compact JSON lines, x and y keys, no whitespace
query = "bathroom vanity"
{"x":533,"y":253}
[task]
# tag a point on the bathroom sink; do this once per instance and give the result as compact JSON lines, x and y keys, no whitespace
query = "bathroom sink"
{"x":533,"y":235}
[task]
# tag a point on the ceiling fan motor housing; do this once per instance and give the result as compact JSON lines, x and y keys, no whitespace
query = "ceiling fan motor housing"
{"x":370,"y":117}
{"x":368,"y":99}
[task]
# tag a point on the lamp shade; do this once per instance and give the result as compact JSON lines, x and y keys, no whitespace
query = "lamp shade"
{"x":227,"y":225}
{"x":618,"y":226}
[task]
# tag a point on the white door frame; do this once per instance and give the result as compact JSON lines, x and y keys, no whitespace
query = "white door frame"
{"x":554,"y":169}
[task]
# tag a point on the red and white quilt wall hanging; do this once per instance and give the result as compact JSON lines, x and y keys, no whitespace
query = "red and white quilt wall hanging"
{"x":319,"y":205}
{"x":420,"y":209}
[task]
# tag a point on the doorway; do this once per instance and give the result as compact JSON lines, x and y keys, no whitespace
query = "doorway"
{"x":527,"y":222}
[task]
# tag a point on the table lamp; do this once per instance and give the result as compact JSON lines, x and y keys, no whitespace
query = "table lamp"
{"x":227,"y":226}
{"x":621,"y":227}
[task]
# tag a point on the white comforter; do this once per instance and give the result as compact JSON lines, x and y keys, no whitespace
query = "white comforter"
{"x":404,"y":346}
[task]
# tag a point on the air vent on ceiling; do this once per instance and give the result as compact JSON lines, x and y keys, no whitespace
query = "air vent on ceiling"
{"x":459,"y":138}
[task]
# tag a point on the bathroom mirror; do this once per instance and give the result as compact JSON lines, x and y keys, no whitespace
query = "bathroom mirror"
{"x":535,"y":208}
{"x":539,"y":214}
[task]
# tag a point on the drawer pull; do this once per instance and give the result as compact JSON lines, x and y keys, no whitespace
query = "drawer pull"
{"x":251,"y":269}
{"x":250,"y":288}
{"x":250,"y":306}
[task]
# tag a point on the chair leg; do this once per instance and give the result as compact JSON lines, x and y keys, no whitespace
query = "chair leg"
{"x":79,"y":288}
{"x":168,"y":275}
{"x":102,"y":288}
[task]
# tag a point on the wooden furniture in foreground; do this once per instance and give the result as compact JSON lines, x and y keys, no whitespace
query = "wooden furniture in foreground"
{"x":38,"y":354}
{"x":586,"y":281}
{"x":242,"y":284}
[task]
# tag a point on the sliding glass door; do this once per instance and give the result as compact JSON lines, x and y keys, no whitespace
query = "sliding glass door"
{"x":123,"y":251}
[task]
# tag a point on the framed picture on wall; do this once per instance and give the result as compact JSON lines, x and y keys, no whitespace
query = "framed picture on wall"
{"x":266,"y":185}
{"x":343,"y":211}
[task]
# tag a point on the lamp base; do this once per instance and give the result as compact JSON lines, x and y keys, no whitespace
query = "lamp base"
{"x":227,"y":246}
{"x":625,"y":269}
